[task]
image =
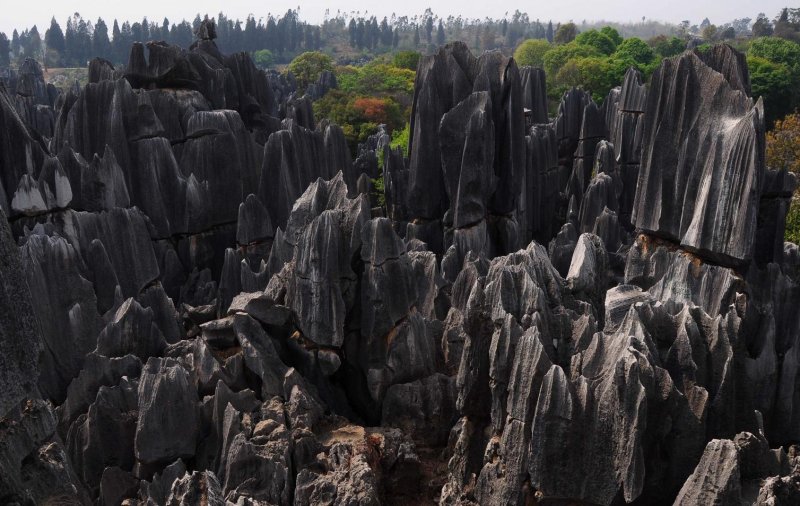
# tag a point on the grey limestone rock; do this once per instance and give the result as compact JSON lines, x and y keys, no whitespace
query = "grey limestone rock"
{"x":104,"y":436}
{"x":716,"y":480}
{"x":34,"y":467}
{"x":534,"y":94}
{"x":20,"y":334}
{"x":166,"y":435}
{"x":196,"y":488}
{"x":420,"y":406}
{"x":681,"y":194}
{"x":131,"y":331}
{"x":253,"y":223}
{"x":207,"y":302}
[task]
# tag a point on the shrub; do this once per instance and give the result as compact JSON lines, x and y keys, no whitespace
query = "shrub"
{"x":406,"y":60}
{"x":792,"y":231}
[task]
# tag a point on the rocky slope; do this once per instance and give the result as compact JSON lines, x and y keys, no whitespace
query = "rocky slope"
{"x":202,"y":303}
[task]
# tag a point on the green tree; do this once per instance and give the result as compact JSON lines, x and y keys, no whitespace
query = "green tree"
{"x":54,"y":40}
{"x":762,"y":27}
{"x":568,"y":76}
{"x":101,"y":44}
{"x":612,"y":34}
{"x":33,"y":48}
{"x":566,"y":33}
{"x":598,"y":75}
{"x":308,"y":66}
{"x":778,"y":51}
{"x":531,"y":52}
{"x":709,"y":32}
{"x":263,"y":58}
{"x":597,"y":40}
{"x":634,"y":52}
{"x":558,"y":56}
{"x":666,"y":47}
{"x":406,"y":60}
{"x":775,"y":84}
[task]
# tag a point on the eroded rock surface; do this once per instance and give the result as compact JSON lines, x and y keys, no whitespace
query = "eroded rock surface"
{"x":204,"y":302}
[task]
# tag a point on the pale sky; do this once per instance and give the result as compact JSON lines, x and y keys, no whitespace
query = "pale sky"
{"x":24,"y":14}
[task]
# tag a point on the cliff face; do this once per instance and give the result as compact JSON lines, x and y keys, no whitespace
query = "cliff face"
{"x":702,"y":165}
{"x":200,"y":303}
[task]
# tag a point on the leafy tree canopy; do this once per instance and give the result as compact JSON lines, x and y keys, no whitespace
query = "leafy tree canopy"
{"x":406,"y":60}
{"x":777,"y":50}
{"x":597,"y":40}
{"x":264,"y":58}
{"x":635,"y":52}
{"x":531,"y":52}
{"x":666,"y":47}
{"x":774,"y":83}
{"x":308,"y":66}
{"x":558,"y":56}
{"x":566,"y":33}
{"x":612,"y":34}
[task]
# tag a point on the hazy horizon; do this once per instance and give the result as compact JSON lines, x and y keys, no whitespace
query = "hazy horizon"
{"x":313,"y":11}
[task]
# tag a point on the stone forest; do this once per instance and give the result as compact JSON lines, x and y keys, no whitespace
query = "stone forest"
{"x":206,"y":300}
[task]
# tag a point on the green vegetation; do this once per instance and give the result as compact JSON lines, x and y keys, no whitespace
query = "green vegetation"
{"x":370,"y":95}
{"x":666,"y":47}
{"x":376,"y":77}
{"x":400,"y":139}
{"x":598,"y":40}
{"x":597,"y":61}
{"x":792,"y":232}
{"x":264,"y":58}
{"x":308,"y":66}
{"x":566,"y":33}
{"x":775,"y":75}
{"x":558,"y":56}
{"x":531,"y":51}
{"x":773,"y":82}
{"x":406,"y":60}
{"x":776,"y":50}
{"x":783,"y":152}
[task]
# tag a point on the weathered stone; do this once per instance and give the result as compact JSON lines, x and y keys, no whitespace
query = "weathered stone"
{"x":681,"y":192}
{"x":716,"y":480}
{"x":33,"y":464}
{"x":166,"y":435}
{"x":20,"y":335}
{"x":196,"y":488}
{"x":422,"y":409}
{"x":104,"y":436}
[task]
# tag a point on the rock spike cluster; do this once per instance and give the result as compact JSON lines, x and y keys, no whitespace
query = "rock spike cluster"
{"x":204,"y":303}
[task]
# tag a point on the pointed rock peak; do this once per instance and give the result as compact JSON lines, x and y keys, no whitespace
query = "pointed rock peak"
{"x":253,"y":223}
{"x":207,"y":30}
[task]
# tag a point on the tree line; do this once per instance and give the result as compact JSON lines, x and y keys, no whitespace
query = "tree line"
{"x":349,"y":36}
